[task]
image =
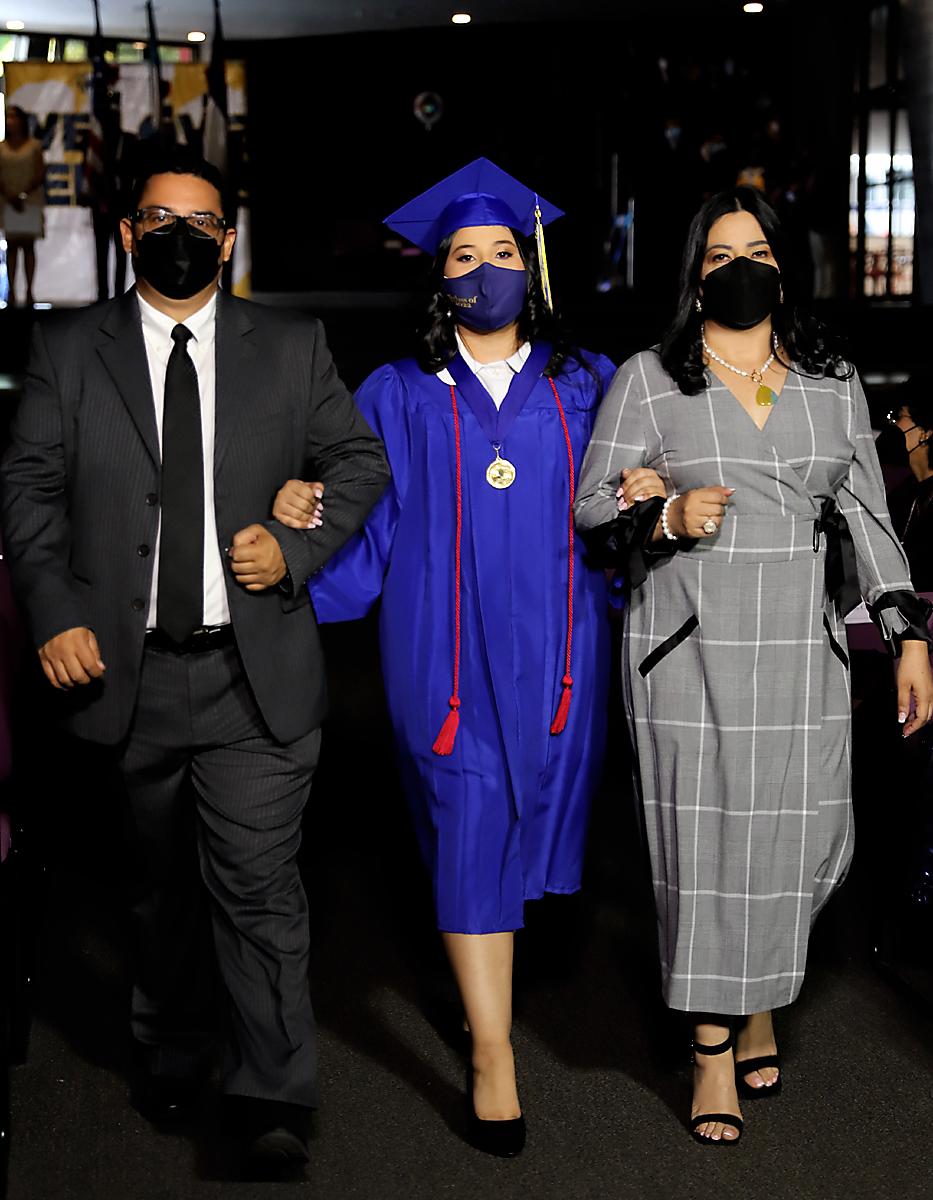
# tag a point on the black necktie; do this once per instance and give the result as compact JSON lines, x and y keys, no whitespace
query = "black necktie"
{"x":181,"y":553}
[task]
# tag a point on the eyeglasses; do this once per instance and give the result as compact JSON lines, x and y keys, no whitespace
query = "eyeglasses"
{"x":893,"y":416}
{"x":163,"y":220}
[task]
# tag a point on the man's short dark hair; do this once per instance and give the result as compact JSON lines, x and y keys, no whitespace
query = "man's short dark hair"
{"x":172,"y":160}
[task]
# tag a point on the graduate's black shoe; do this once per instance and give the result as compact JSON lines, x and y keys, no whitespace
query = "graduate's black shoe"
{"x":504,"y":1139}
{"x":749,"y":1065}
{"x":726,"y":1118}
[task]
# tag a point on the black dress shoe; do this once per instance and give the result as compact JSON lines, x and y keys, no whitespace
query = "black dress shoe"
{"x":165,"y":1101}
{"x":273,"y":1136}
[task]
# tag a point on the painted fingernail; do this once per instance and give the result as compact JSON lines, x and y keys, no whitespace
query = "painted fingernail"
{"x":623,"y":506}
{"x":639,"y":497}
{"x":901,"y":718}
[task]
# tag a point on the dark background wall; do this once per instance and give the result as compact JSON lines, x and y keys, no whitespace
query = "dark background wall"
{"x":335,"y":145}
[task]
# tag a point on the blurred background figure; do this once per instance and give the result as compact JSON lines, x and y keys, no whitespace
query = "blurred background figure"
{"x":911,"y":502}
{"x":22,"y":215}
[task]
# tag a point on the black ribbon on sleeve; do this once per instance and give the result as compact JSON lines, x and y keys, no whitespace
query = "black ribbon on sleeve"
{"x":915,"y":610}
{"x":625,"y":543}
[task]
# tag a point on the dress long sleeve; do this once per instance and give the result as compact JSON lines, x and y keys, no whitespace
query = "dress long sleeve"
{"x":615,"y":539}
{"x":883,"y":572}
{"x":352,"y":580}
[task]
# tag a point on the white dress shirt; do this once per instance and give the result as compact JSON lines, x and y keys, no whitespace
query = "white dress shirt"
{"x":494,"y":376}
{"x":157,"y":332}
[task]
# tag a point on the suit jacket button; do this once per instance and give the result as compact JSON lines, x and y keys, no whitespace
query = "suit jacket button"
{"x":137,"y":605}
{"x":152,"y":499}
{"x":143,"y":550}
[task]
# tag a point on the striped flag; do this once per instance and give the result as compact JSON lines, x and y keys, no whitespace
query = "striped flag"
{"x":98,"y":143}
{"x":215,"y":129}
{"x":155,"y":75}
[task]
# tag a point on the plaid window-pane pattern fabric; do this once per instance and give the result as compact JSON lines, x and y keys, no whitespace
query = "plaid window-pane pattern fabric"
{"x":741,"y":729}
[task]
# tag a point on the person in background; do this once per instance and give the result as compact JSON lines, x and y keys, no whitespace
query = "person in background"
{"x":22,"y":197}
{"x":493,"y":630}
{"x":755,"y":434}
{"x":912,"y":504}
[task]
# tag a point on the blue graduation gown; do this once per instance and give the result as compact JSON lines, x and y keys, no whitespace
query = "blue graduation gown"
{"x":503,"y":819}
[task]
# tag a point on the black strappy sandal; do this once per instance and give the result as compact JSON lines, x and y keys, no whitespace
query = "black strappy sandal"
{"x":726,"y":1118}
{"x":747,"y":1066}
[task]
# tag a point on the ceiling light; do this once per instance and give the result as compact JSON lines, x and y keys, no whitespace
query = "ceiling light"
{"x":197,"y":36}
{"x":461,"y":18}
{"x":15,"y":26}
{"x":753,"y":8}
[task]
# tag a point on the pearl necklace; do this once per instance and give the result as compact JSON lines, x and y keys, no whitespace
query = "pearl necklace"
{"x":765,"y":396}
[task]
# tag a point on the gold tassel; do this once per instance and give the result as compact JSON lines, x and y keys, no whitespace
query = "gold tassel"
{"x":542,"y":258}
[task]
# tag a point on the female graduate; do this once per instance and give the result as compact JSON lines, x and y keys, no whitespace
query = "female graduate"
{"x":766,"y":521}
{"x":492,"y":628}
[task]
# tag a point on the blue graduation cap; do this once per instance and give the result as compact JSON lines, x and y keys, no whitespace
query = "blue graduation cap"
{"x":478,"y":194}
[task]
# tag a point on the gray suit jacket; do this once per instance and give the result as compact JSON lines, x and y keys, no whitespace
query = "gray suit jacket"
{"x":80,"y":493}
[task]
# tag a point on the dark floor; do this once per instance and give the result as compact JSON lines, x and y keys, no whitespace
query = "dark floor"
{"x":602,"y":1070}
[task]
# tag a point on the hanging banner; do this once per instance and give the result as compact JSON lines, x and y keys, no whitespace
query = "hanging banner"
{"x":56,"y":98}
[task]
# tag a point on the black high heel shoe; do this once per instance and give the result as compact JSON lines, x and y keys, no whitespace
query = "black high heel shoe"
{"x":504,"y":1139}
{"x":726,"y":1118}
{"x":747,"y":1066}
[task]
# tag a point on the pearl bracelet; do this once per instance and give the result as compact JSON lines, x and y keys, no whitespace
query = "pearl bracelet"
{"x":665,"y":528}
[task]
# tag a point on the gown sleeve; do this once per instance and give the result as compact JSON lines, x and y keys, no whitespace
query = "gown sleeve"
{"x":351,"y":582}
{"x":883,"y":573}
{"x":615,"y":539}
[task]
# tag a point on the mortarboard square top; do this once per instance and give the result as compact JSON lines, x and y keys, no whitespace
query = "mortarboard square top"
{"x":478,"y":194}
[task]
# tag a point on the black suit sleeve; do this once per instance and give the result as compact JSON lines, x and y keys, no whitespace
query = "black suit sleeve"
{"x":36,"y":525}
{"x":349,"y":460}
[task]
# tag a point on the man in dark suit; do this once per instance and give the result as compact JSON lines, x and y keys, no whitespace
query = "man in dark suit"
{"x":152,"y":436}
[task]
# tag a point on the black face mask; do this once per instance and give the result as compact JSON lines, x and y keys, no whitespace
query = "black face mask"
{"x":891,"y":447}
{"x":741,"y":294}
{"x":178,"y":264}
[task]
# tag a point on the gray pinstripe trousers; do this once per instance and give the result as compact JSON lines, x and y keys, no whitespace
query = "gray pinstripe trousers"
{"x":208,"y":787}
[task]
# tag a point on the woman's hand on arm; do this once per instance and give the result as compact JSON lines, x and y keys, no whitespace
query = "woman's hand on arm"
{"x":914,"y":682}
{"x":299,"y":505}
{"x":688,"y":514}
{"x":637,"y":484}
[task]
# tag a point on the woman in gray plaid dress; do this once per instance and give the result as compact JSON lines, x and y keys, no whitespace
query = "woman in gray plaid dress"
{"x":757,"y":438}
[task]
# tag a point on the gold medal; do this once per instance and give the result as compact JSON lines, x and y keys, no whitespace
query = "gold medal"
{"x":500,"y":473}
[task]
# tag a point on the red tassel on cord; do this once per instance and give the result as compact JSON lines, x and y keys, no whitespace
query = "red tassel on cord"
{"x":560,"y":720}
{"x":444,"y":743}
{"x":559,"y":724}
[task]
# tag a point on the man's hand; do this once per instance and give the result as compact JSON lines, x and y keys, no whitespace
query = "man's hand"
{"x":71,"y":657}
{"x":257,"y":559}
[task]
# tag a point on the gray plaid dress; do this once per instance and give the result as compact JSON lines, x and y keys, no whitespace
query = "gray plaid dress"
{"x":735,"y":670}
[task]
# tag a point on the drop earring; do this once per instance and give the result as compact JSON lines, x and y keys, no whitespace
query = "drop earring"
{"x":698,"y":305}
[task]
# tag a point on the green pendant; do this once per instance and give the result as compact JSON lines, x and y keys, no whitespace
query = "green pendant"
{"x":765,"y":396}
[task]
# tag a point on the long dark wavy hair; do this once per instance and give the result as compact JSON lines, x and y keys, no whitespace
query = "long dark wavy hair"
{"x":437,"y":344}
{"x":807,"y":348}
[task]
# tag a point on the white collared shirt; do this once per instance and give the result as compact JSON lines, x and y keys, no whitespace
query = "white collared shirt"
{"x":157,"y":332}
{"x":495,"y":376}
